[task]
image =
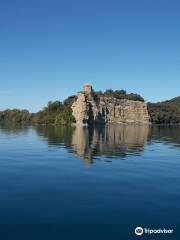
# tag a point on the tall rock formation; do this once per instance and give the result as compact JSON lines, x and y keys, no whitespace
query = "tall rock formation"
{"x":81,"y":109}
{"x":88,"y":109}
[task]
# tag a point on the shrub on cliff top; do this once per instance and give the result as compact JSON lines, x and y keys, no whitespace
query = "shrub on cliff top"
{"x":119,"y":94}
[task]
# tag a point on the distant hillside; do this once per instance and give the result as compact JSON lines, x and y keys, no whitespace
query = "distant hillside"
{"x":167,"y":112}
{"x":175,"y":100}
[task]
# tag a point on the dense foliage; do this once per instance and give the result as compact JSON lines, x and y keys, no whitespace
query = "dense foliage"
{"x":119,"y":94}
{"x":56,"y":113}
{"x":167,"y":112}
{"x":15,"y":116}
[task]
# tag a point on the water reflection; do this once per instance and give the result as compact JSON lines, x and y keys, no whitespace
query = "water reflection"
{"x":111,"y":141}
{"x":14,"y":129}
{"x":166,"y":134}
{"x":89,"y":143}
{"x":81,"y":143}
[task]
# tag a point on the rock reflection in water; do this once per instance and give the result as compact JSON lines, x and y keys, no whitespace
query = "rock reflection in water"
{"x":110,"y":141}
{"x":81,"y":143}
{"x":113,"y":141}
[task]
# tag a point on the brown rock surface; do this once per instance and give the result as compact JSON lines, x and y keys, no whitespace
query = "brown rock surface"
{"x":88,"y":110}
{"x":80,"y":109}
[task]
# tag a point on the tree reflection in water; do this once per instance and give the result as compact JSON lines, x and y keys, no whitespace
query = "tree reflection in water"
{"x":112,"y":141}
{"x":88,"y":143}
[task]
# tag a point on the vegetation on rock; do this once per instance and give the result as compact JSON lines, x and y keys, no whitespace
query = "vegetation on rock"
{"x":119,"y":94}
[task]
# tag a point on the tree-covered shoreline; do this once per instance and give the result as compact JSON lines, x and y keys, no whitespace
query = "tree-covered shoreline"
{"x":60,"y":113}
{"x":166,"y":112}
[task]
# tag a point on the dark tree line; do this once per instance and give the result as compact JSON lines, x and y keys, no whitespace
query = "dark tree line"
{"x":167,"y":112}
{"x":15,"y":116}
{"x":56,"y":113}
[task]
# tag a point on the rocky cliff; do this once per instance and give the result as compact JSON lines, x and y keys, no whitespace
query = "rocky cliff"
{"x":88,"y":109}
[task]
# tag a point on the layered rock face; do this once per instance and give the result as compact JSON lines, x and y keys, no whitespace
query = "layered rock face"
{"x":124,"y":111}
{"x":89,"y":110}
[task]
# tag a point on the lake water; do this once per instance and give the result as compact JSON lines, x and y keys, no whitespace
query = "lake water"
{"x":79,"y":183}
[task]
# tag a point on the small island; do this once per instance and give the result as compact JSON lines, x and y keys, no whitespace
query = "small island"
{"x":90,"y":107}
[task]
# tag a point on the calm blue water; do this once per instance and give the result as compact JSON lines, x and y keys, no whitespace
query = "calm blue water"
{"x":79,"y":183}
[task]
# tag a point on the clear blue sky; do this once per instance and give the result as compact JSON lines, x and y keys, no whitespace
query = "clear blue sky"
{"x":50,"y":48}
